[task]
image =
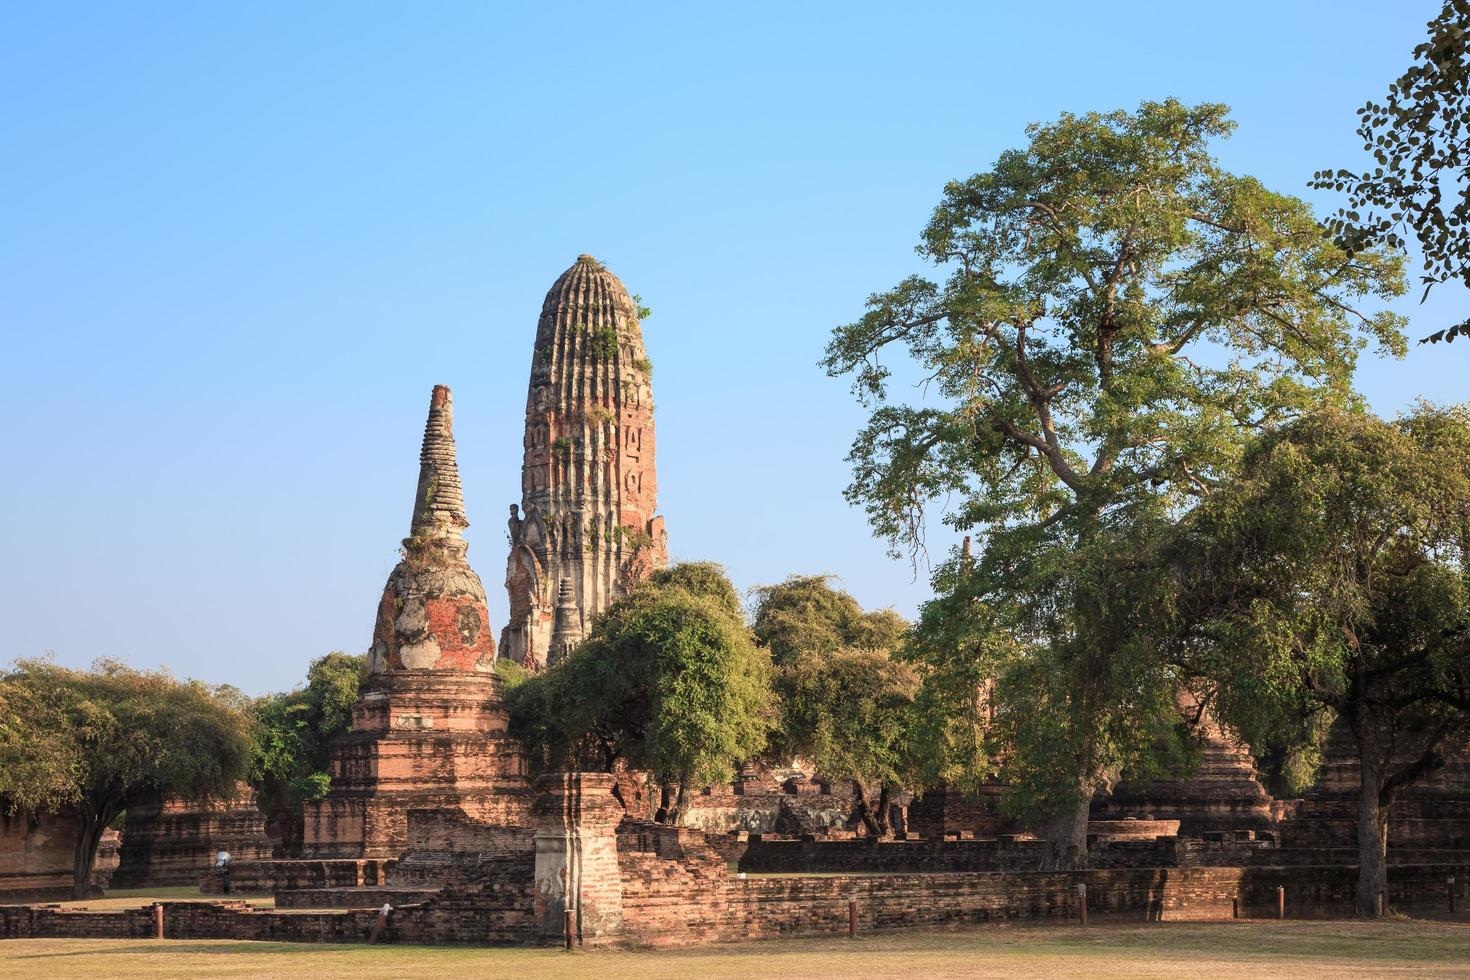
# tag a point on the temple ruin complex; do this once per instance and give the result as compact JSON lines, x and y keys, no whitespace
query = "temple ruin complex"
{"x":431,"y":810}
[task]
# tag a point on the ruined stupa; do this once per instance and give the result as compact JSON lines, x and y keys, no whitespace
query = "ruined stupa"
{"x":588,"y":485}
{"x":429,"y":730}
{"x":433,"y":614}
{"x":1223,"y":795}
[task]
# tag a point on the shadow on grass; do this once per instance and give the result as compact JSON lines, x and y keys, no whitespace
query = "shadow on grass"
{"x":212,"y":947}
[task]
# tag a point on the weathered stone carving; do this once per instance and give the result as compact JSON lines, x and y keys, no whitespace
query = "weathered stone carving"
{"x":588,"y":474}
{"x":576,"y":818}
{"x":567,"y":629}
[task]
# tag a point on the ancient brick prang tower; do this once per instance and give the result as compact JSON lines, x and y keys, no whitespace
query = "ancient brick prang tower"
{"x":588,"y":483}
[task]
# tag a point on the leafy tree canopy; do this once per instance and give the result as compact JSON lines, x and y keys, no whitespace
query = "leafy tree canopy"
{"x":291,"y":758}
{"x":806,"y":615}
{"x":1118,"y":314}
{"x":846,"y":701}
{"x":1334,"y":580}
{"x":94,"y":743}
{"x":701,"y":578}
{"x":1419,"y":136}
{"x":668,"y":680}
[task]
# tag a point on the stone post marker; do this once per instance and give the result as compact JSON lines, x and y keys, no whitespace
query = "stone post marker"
{"x":576,"y":818}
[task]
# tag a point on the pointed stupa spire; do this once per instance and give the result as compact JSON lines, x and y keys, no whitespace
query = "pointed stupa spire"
{"x":438,"y":505}
{"x":432,"y":615}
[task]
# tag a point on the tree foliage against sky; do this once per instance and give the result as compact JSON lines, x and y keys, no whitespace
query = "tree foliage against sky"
{"x":669,"y":680}
{"x":1419,"y":137}
{"x":845,"y":697}
{"x":1333,"y":578}
{"x":1117,"y":314}
{"x":93,"y":743}
{"x":291,"y":758}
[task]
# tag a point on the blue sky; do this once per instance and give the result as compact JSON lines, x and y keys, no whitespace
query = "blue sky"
{"x":239,"y":244}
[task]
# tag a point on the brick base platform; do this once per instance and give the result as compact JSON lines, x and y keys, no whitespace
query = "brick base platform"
{"x":265,"y":877}
{"x":353,"y":898}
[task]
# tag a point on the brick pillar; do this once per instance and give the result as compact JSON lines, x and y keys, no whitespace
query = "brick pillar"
{"x":576,"y":818}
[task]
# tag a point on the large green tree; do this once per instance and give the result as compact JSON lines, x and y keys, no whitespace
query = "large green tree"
{"x":1419,"y":137}
{"x":846,"y":699}
{"x":1118,"y":312}
{"x":669,"y":681}
{"x":93,"y":743}
{"x":1010,"y":694}
{"x":291,"y":758}
{"x":1333,"y":579}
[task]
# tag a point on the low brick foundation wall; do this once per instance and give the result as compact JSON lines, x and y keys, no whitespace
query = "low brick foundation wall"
{"x":690,"y":905}
{"x":683,"y":909}
{"x":764,"y":854}
{"x":1131,"y":828}
{"x":267,"y":876}
{"x":353,"y":898}
{"x":1341,"y":857}
{"x":869,"y":855}
{"x":183,"y":920}
{"x":478,"y":919}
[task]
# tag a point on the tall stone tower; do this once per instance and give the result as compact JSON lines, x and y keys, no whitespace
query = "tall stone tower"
{"x":585,"y":529}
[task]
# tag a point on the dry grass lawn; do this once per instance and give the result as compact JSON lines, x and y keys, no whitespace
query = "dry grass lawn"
{"x":1191,"y":951}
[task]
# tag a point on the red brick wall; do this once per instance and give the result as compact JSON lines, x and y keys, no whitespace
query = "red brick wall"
{"x":943,"y":810}
{"x":680,"y":902}
{"x":264,"y":877}
{"x":683,"y":908}
{"x":36,"y":855}
{"x":488,"y":917}
{"x":868,"y":855}
{"x":173,"y":842}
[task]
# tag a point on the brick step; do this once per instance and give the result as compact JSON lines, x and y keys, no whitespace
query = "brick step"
{"x":352,"y":898}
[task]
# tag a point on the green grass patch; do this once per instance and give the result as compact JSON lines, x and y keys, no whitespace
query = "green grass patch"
{"x":1111,"y":951}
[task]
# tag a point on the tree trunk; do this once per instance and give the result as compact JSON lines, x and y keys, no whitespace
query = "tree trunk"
{"x":880,"y":819}
{"x":681,"y":801}
{"x":1372,"y":831}
{"x":874,"y":818}
{"x":1066,"y":836}
{"x":89,"y":835}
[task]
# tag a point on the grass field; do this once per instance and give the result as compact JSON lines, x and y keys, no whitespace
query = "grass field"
{"x":1295,"y":950}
